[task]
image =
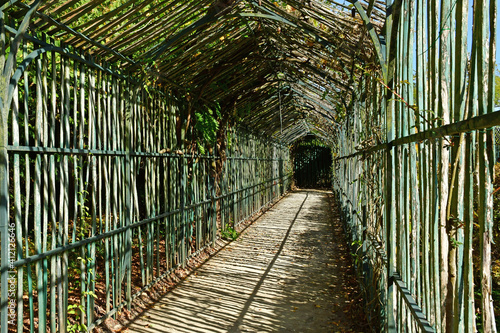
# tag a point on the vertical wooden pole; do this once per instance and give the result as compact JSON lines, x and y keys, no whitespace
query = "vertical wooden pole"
{"x":389,"y":177}
{"x":4,"y":188}
{"x":128,"y":198}
{"x":42,"y":292}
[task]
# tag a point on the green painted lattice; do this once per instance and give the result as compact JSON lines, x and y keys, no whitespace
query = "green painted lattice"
{"x":102,"y":195}
{"x":414,"y":169}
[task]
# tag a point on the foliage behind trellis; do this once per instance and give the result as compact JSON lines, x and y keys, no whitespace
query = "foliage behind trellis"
{"x":312,"y":163}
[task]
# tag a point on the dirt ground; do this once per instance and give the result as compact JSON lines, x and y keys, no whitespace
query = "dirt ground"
{"x":290,"y":271}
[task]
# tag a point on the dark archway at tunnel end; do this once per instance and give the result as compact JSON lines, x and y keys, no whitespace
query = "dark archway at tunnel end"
{"x":312,"y":163}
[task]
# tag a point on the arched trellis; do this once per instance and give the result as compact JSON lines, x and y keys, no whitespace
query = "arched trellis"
{"x":386,"y":131}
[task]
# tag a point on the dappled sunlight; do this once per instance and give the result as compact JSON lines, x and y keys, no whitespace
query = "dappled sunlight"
{"x":282,"y":274}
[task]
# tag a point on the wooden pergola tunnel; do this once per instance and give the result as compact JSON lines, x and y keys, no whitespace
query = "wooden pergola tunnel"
{"x":134,"y":133}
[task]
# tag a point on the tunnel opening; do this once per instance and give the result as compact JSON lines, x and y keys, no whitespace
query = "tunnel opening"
{"x":312,"y":163}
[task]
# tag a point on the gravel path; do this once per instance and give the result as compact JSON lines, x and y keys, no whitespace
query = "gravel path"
{"x":286,"y":273}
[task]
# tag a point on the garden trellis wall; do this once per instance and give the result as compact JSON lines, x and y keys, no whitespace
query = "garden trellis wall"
{"x":414,"y":158}
{"x":99,"y":200}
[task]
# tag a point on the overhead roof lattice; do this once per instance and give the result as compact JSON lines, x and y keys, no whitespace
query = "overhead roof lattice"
{"x":287,"y":67}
